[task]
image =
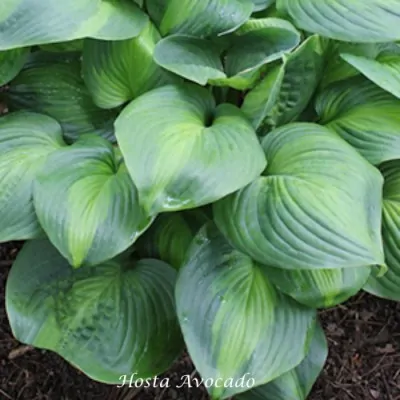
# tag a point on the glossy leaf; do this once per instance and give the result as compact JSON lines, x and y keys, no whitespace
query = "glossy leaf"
{"x":317,"y":205}
{"x":170,"y":236}
{"x":364,"y":115}
{"x":26,"y":141}
{"x":202,"y":18}
{"x":118,"y":71}
{"x":320,"y":288}
{"x":57,"y":89}
{"x":371,"y":21}
{"x":182,"y":151}
{"x":383,"y":71}
{"x":287,"y":89}
{"x":30,"y":22}
{"x":388,"y":285}
{"x":11,"y":62}
{"x":87,"y":203}
{"x":101,"y":319}
{"x":233,"y":319}
{"x":298,"y":382}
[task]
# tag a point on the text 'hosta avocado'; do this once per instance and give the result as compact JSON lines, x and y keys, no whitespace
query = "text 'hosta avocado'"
{"x":200,"y":174}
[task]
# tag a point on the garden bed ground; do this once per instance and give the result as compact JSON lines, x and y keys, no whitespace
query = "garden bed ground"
{"x":363,"y":364}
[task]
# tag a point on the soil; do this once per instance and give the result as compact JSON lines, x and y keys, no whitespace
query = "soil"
{"x":363,"y":363}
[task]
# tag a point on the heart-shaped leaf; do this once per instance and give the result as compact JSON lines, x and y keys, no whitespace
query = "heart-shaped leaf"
{"x":388,"y":285}
{"x":26,"y":141}
{"x":11,"y":62}
{"x":31,"y":22}
{"x":317,"y":205}
{"x":364,"y":115}
{"x":202,"y":18}
{"x":384,"y":71}
{"x":297,"y":383}
{"x":170,"y":236}
{"x":234,"y":321}
{"x":256,"y":43}
{"x":182,"y":151}
{"x":371,"y":21}
{"x":56,"y":88}
{"x":87,"y":203}
{"x":320,"y":288}
{"x":101,"y":319}
{"x":287,"y":89}
{"x":118,"y":71}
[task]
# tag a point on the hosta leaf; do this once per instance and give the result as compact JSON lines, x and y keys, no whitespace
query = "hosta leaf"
{"x":114,"y":319}
{"x":193,"y":58}
{"x":31,"y":22}
{"x":11,"y":62}
{"x":57,"y":89}
{"x":287,"y":89}
{"x":371,"y":21}
{"x":336,"y":68}
{"x":182,"y":151}
{"x":170,"y":236}
{"x":87,"y":203}
{"x":388,"y":286}
{"x":298,"y":382}
{"x":203,"y":18}
{"x":384,"y":71}
{"x":256,"y":43}
{"x":26,"y":141}
{"x":262,"y":4}
{"x":317,"y":205}
{"x":118,"y":71}
{"x":233,"y":319}
{"x":364,"y":115}
{"x":320,"y":288}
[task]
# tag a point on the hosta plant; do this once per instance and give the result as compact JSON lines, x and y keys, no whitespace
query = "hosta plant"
{"x":199,"y":174}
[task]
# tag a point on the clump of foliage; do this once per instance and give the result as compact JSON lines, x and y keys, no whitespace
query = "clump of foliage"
{"x":198,"y":173}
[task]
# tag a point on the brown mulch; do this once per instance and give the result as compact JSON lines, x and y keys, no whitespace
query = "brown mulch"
{"x":363,"y":364}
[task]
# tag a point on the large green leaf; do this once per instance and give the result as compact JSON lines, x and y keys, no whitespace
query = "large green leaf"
{"x":11,"y":62}
{"x":317,"y":205}
{"x":115,"y":319}
{"x":26,"y":141}
{"x":30,"y":22}
{"x":298,"y":382}
{"x":233,"y":319}
{"x":118,"y":71}
{"x":371,"y":21}
{"x":287,"y":89}
{"x":384,"y":71}
{"x":182,"y":151}
{"x":170,"y":236}
{"x":56,"y":88}
{"x":363,"y":114}
{"x":320,"y":288}
{"x":256,"y":43}
{"x":202,"y":18}
{"x":388,"y":286}
{"x":87,"y":203}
